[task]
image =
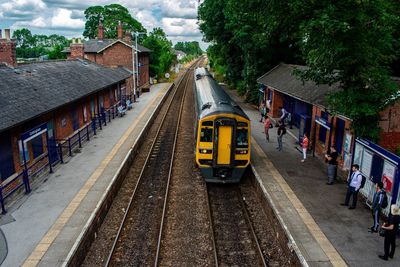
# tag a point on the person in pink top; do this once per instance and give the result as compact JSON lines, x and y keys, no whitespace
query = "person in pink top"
{"x":267,"y":125}
{"x":305,"y":147}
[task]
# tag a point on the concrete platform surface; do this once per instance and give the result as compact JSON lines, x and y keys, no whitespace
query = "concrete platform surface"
{"x":45,"y":224}
{"x":326,"y":229}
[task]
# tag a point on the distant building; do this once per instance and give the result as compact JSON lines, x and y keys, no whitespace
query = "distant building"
{"x":43,"y":104}
{"x":114,"y":53}
{"x":308,"y":108}
{"x":179,"y":54}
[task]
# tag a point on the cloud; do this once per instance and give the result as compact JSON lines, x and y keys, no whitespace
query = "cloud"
{"x":39,"y":22}
{"x":179,"y":9}
{"x":180,"y":27}
{"x":21,"y":9}
{"x":62,"y":20}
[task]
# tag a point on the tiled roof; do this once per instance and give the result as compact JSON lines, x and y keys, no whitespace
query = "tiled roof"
{"x":34,"y":89}
{"x":282,"y":79}
{"x":96,"y":46}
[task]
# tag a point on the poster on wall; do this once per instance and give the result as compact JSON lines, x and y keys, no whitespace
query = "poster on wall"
{"x":388,"y":175}
{"x":358,"y":152}
{"x":346,"y":161}
{"x":347,"y":143}
{"x":366,"y":163}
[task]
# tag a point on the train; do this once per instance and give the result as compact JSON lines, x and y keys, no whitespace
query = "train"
{"x":222,"y":132}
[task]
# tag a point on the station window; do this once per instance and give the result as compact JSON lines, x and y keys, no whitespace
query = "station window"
{"x":242,"y":138}
{"x":206,"y":135}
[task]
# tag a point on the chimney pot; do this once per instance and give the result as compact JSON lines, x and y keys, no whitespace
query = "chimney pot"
{"x":100,"y":34}
{"x":120,"y":30}
{"x":7,"y":33}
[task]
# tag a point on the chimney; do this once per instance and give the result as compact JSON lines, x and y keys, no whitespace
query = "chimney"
{"x":119,"y":30}
{"x":8,"y":50}
{"x":128,"y":37}
{"x":77,"y":49}
{"x":100,"y":34}
{"x":7,"y":34}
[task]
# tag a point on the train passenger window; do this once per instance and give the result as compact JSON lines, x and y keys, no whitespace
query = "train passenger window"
{"x":241,"y":124}
{"x":241,"y":138}
{"x":206,"y":135}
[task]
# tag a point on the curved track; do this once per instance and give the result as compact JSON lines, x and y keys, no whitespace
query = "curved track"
{"x":136,"y":241}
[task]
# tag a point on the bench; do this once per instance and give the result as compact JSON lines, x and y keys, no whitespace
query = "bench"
{"x":129,"y":104}
{"x":121,"y":111}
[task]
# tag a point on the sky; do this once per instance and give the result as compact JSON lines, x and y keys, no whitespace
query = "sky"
{"x":178,"y":18}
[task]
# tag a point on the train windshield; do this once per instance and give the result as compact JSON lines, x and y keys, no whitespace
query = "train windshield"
{"x":206,"y":135}
{"x":242,"y":138}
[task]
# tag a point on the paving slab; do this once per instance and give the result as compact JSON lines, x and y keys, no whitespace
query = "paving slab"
{"x":56,"y":211}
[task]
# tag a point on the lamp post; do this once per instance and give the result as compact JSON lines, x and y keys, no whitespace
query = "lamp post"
{"x":135,"y":64}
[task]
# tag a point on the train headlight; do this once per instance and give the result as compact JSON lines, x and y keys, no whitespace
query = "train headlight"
{"x":242,"y":152}
{"x":205,"y":151}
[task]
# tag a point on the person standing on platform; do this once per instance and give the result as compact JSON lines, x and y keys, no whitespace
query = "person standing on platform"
{"x":304,"y":145}
{"x":281,"y":132}
{"x":262,"y":110}
{"x":284,"y":115}
{"x":354,"y":183}
{"x":332,"y":165}
{"x":377,"y":203}
{"x":391,"y":227}
{"x":267,"y":125}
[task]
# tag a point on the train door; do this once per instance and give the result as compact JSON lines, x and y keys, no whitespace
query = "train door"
{"x":223,"y":144}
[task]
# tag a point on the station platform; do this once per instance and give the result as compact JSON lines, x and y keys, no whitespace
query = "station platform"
{"x":321,"y":231}
{"x":42,"y":228}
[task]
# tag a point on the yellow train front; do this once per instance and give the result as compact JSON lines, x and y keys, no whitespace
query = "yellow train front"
{"x":223,"y":132}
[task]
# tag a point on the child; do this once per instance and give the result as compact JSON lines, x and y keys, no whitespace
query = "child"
{"x":267,"y":125}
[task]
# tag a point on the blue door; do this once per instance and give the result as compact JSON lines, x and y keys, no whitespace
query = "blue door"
{"x":75,"y":119}
{"x":339,"y":132}
{"x":6,"y":156}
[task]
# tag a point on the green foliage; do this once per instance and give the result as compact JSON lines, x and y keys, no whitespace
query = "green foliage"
{"x":190,"y":48}
{"x":34,"y":46}
{"x":352,"y":43}
{"x":109,"y":16}
{"x":161,"y":56}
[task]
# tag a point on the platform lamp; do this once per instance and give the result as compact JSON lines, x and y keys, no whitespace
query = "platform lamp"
{"x":135,"y":64}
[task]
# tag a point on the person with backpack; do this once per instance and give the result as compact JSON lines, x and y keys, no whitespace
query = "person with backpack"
{"x":281,"y":132}
{"x":354,"y":184}
{"x":379,"y":202}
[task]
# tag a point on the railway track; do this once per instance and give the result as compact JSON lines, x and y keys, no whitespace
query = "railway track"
{"x":136,"y":242}
{"x":234,"y":238}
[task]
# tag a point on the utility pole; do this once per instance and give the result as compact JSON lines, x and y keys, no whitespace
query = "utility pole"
{"x":135,"y":65}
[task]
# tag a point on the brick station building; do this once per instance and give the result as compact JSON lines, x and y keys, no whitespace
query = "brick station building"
{"x":307,"y":104}
{"x":113,"y":53}
{"x":47,"y":102}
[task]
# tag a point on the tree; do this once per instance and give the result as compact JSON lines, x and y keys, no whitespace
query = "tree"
{"x":109,"y":16}
{"x":353,"y":43}
{"x":161,"y":56}
{"x":190,"y":48}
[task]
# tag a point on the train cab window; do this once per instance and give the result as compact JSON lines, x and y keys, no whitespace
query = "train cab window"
{"x":242,"y":138}
{"x":207,"y":123}
{"x":206,"y":134}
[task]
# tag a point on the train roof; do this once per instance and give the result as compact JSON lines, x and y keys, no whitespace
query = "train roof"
{"x":211,"y":98}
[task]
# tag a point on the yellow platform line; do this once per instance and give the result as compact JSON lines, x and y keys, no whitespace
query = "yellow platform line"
{"x":44,"y":244}
{"x":308,"y":220}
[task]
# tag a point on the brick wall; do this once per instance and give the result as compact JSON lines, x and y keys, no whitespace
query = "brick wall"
{"x":118,"y":55}
{"x":390,"y":125}
{"x":8,"y":52}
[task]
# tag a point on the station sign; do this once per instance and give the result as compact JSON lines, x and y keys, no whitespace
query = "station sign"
{"x":323,"y":122}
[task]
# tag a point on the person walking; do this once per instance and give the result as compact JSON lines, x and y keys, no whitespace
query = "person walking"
{"x":354,"y":183}
{"x":281,"y":132}
{"x":377,"y":204}
{"x":267,"y":125}
{"x":304,"y":145}
{"x":332,"y":164}
{"x":262,"y":109}
{"x":391,"y":227}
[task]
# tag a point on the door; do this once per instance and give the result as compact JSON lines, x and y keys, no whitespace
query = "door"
{"x":224,"y":145}
{"x":75,"y":119}
{"x":339,"y":135}
{"x":6,"y":156}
